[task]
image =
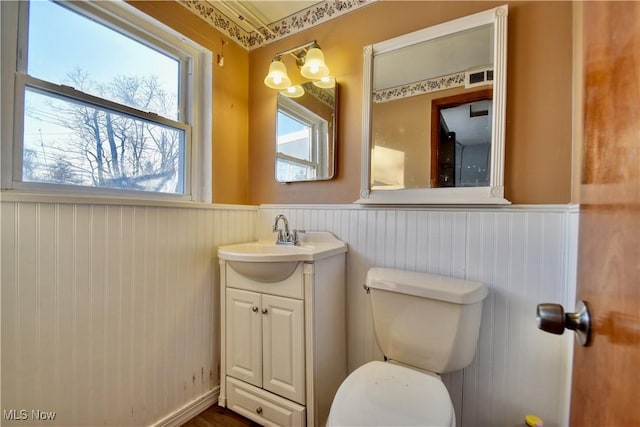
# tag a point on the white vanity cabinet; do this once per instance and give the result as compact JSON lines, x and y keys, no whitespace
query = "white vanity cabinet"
{"x":265,"y":342}
{"x":283,"y":338}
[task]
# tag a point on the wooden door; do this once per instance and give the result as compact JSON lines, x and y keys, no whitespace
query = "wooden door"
{"x":244,"y":336}
{"x":606,"y":374}
{"x":283,"y":347}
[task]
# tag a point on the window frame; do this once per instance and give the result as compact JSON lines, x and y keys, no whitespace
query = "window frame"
{"x":194,"y":99}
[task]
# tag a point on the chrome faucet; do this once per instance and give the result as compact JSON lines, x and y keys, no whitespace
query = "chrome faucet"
{"x":285,"y":237}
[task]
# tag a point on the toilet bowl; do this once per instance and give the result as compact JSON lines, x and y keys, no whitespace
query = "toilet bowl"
{"x":387,"y":394}
{"x":425,"y":325}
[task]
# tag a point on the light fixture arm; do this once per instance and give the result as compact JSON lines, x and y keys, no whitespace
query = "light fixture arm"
{"x":298,"y":52}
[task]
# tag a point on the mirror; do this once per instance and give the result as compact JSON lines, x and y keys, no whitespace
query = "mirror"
{"x":306,"y":132}
{"x":434,"y":114}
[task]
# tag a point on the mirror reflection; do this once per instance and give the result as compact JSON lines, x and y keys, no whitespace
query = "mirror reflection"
{"x":434,"y":114}
{"x":306,"y":132}
{"x":424,"y":133}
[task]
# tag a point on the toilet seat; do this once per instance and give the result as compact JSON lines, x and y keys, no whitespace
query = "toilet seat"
{"x":387,"y":394}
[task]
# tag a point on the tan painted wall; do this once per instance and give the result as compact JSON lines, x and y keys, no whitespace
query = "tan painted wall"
{"x":404,"y":126}
{"x":230,"y":99}
{"x":539,"y":94}
{"x":539,"y":97}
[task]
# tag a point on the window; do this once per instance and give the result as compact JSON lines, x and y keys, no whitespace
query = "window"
{"x":301,"y":142}
{"x":106,"y":101}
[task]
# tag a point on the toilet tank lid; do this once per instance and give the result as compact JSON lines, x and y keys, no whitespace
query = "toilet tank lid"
{"x":426,"y":285}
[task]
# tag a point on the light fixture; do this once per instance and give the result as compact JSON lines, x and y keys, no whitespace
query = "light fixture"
{"x":293,"y":91}
{"x":277,"y":77}
{"x":310,"y":59}
{"x":314,"y":66}
{"x":326,"y":82}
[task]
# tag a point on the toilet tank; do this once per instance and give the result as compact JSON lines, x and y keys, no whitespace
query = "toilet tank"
{"x":426,"y":321}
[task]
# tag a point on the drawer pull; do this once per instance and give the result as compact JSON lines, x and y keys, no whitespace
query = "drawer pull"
{"x":259,"y":410}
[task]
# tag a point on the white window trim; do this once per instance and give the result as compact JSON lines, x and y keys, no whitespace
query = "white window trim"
{"x":198,"y":114}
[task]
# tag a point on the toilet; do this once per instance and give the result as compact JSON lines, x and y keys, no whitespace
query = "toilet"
{"x":425,"y":325}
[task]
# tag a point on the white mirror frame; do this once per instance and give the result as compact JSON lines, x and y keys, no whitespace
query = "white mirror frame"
{"x":494,"y":193}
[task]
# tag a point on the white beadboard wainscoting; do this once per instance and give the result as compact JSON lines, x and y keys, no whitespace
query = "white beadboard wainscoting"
{"x":110,"y":312}
{"x":525,"y":254}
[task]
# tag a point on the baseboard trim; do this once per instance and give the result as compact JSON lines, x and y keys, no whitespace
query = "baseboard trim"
{"x":190,"y":410}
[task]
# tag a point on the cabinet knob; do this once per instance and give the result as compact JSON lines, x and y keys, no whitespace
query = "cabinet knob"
{"x":265,"y":311}
{"x":259,"y":410}
{"x":254,"y":309}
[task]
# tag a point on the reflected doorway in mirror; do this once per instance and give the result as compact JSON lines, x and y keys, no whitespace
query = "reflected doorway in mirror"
{"x":461,"y":139}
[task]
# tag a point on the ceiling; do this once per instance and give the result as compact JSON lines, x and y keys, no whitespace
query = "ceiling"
{"x":255,"y":14}
{"x":470,"y":129}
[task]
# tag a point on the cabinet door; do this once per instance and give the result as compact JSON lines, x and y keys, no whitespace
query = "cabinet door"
{"x":283,"y":347}
{"x":244,"y":336}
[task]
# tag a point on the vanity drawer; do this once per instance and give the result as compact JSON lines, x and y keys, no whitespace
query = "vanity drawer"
{"x":291,"y":286}
{"x":261,"y":406}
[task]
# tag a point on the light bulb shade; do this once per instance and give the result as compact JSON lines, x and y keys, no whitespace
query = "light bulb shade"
{"x":314,"y":66}
{"x":326,"y":82}
{"x":277,"y":77}
{"x":293,"y":91}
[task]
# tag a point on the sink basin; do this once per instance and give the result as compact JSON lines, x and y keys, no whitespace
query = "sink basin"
{"x":313,"y":246}
{"x":265,"y":272}
{"x":264,"y":261}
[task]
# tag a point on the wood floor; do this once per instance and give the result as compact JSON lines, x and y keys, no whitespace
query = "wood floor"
{"x":217,"y":416}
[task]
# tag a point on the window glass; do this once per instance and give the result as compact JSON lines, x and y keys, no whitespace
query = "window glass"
{"x":70,"y":142}
{"x":70,"y":49}
{"x":294,"y":160}
{"x":294,"y":137}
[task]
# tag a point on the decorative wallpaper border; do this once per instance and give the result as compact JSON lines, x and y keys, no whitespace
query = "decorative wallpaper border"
{"x":314,"y":15}
{"x":419,"y":88}
{"x":326,"y":96}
